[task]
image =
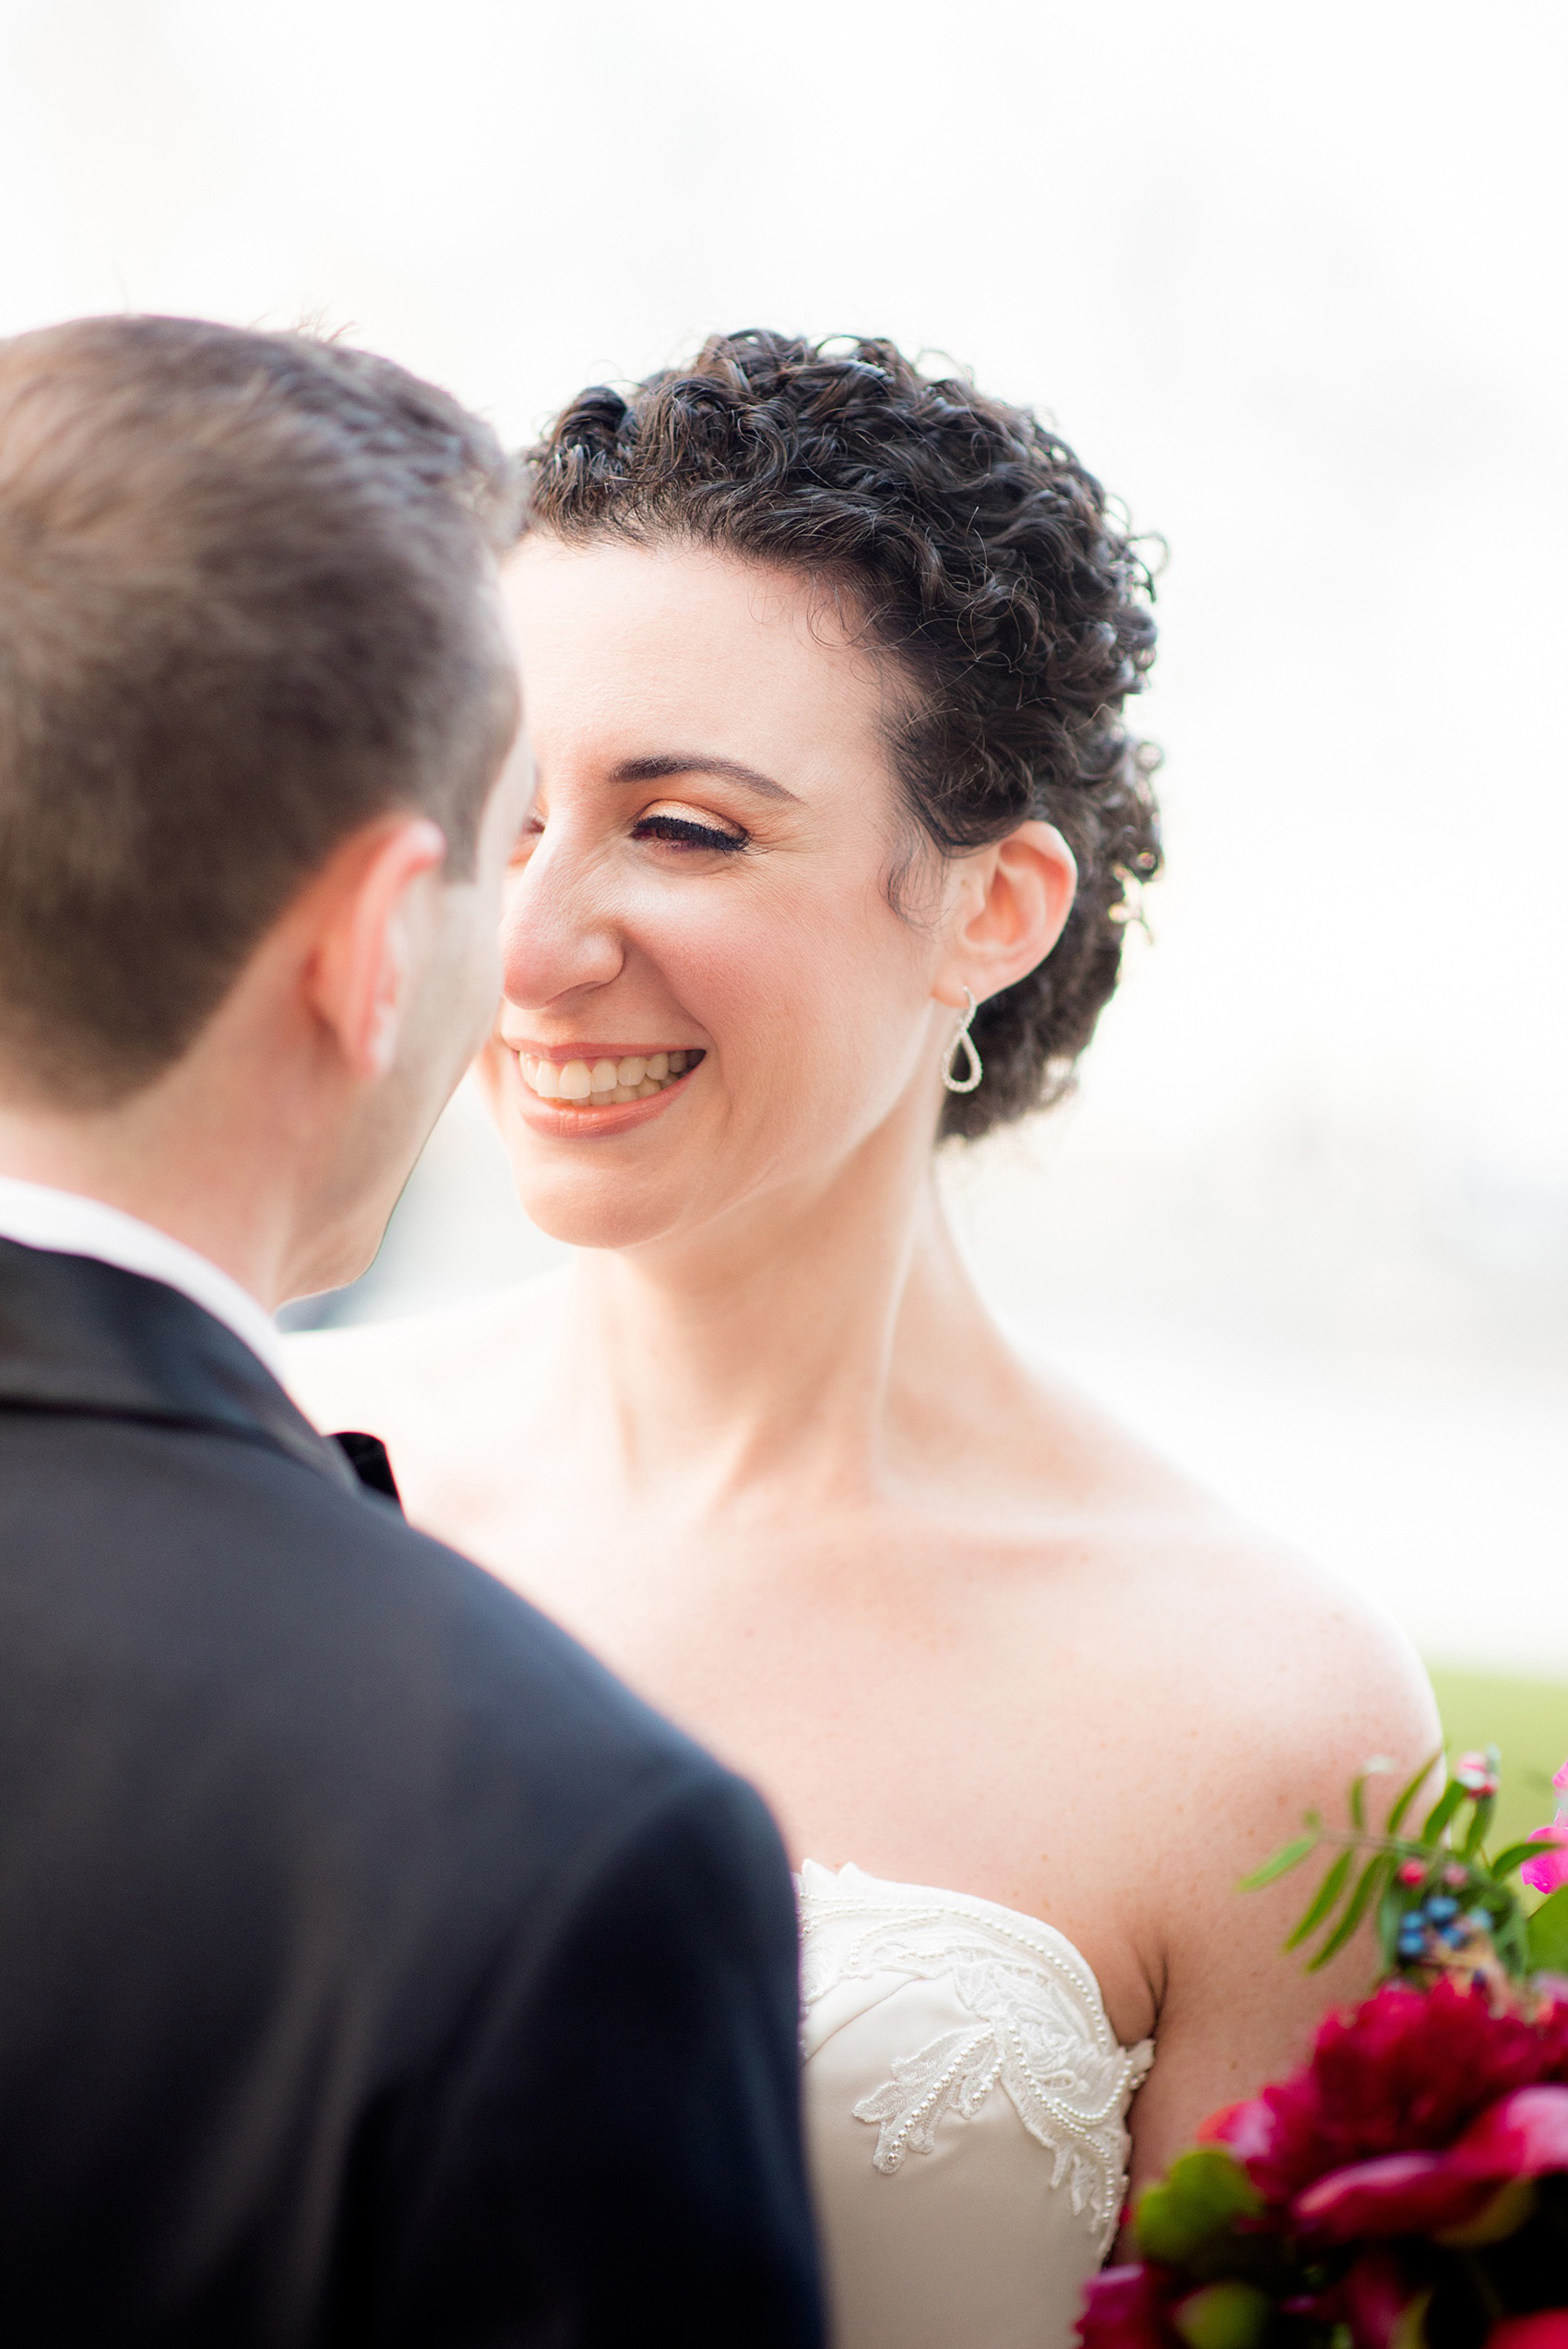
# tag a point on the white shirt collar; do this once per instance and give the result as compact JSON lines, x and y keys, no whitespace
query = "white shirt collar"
{"x":40,"y":1217}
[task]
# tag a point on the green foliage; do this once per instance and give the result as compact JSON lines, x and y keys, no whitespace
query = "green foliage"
{"x":1407,"y":1795}
{"x":1530,"y":1720}
{"x":1545,"y":1933}
{"x":1326,"y":1898}
{"x":1283,"y":1862}
{"x":1223,"y":2316}
{"x":1439,"y":1901}
{"x":1450,"y":1801}
{"x":1195,"y":2208}
{"x":1377,"y":1873}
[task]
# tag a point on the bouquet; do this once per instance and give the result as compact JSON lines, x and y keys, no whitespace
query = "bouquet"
{"x":1407,"y":2189}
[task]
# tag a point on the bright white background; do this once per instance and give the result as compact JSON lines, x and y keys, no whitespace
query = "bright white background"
{"x":1291,"y":278}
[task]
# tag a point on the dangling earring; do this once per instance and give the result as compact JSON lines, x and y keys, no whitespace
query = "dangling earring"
{"x":963,"y":1084}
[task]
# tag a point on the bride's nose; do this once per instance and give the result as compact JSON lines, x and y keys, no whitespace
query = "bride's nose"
{"x":558,"y":931}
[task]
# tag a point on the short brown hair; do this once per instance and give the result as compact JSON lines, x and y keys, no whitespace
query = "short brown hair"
{"x":987,"y":561}
{"x":244,"y":609}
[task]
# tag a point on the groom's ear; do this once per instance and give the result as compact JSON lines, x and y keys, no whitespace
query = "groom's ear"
{"x":374,"y":917}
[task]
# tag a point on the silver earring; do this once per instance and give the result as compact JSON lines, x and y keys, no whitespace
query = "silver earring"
{"x":963,"y":1084}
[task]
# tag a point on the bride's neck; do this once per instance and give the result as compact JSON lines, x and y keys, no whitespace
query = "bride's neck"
{"x":785,"y":1345}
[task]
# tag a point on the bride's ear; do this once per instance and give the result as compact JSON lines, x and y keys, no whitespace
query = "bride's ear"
{"x":1012,"y":905}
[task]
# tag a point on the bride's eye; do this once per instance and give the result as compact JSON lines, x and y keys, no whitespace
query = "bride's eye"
{"x":683,"y":832}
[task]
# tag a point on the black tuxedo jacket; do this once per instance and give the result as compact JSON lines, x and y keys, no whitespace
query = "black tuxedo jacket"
{"x":373,"y":1968}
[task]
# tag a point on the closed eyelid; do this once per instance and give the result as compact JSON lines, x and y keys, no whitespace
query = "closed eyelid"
{"x":674,"y":817}
{"x":692,"y":827}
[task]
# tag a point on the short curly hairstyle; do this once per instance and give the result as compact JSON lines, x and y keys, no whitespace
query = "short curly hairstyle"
{"x":984,"y":558}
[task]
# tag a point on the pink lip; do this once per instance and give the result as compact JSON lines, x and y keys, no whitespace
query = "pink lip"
{"x":585,"y":1124}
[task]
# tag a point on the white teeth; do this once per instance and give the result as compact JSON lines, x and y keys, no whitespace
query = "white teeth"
{"x":597,"y":1083}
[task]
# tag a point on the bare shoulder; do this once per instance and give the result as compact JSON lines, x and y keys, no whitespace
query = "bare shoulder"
{"x":1283,"y":1685}
{"x":444,"y":1367}
{"x":1286,"y":1662}
{"x":1268,"y":1685}
{"x":1298,"y":1678}
{"x":1322,"y":1678}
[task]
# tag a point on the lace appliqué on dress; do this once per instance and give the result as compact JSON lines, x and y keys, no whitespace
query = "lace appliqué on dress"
{"x":1040,"y":2032}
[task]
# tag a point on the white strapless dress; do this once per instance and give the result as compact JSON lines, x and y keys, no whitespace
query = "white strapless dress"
{"x":966,"y":2115}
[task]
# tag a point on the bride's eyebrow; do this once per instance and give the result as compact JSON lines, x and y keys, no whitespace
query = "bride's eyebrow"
{"x":659,"y":769}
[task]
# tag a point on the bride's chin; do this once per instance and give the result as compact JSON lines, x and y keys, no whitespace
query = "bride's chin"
{"x":586,"y":1211}
{"x":573,"y":1187}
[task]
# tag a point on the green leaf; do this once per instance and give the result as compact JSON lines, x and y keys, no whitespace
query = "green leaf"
{"x":1391,"y":1911}
{"x":1441,"y":1811}
{"x":1368,"y":1883}
{"x":1205,"y":2192}
{"x":1411,"y":2325}
{"x":1514,"y":1856}
{"x":1223,"y":2316}
{"x":1378,"y":1765}
{"x":1282,"y":1862}
{"x":1408,"y":1794}
{"x":1510,"y":1940}
{"x":1324,"y":1899}
{"x":1547,"y":1933}
{"x":1512,"y":2206}
{"x":1475,"y":1835}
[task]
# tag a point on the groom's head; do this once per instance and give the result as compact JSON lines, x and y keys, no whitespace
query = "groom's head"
{"x":255,"y":700}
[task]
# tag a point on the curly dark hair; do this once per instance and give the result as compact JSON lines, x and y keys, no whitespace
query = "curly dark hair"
{"x":985,"y":560}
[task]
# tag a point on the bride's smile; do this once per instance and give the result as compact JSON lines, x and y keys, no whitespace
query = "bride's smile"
{"x":573,"y":1089}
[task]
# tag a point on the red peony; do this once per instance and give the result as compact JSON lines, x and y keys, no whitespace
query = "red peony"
{"x":1126,"y":2309}
{"x":1522,"y":2136}
{"x":1374,"y":2299}
{"x":1407,"y":2071}
{"x":1549,"y":2329}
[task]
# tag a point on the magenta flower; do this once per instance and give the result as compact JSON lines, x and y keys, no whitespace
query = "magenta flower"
{"x":1127,"y":2309}
{"x":1547,"y":2329}
{"x":1407,"y":2071}
{"x":1522,"y":2136}
{"x":1550,"y":1871}
{"x":1375,"y":2299}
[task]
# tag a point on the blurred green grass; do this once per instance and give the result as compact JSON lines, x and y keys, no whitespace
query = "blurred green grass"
{"x":1528,"y":1720}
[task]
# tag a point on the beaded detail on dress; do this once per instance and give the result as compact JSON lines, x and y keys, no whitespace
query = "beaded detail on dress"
{"x":1039,"y":2033}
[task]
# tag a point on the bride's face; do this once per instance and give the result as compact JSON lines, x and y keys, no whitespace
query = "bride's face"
{"x":708,"y":996}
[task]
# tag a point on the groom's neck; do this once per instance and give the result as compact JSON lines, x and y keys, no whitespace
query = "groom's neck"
{"x":107,"y":1159}
{"x":209,"y":1153}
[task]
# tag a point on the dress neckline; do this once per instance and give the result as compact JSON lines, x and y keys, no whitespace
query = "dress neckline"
{"x":853,"y":1885}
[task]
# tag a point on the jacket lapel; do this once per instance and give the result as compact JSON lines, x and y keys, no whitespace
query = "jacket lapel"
{"x":78,"y":1336}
